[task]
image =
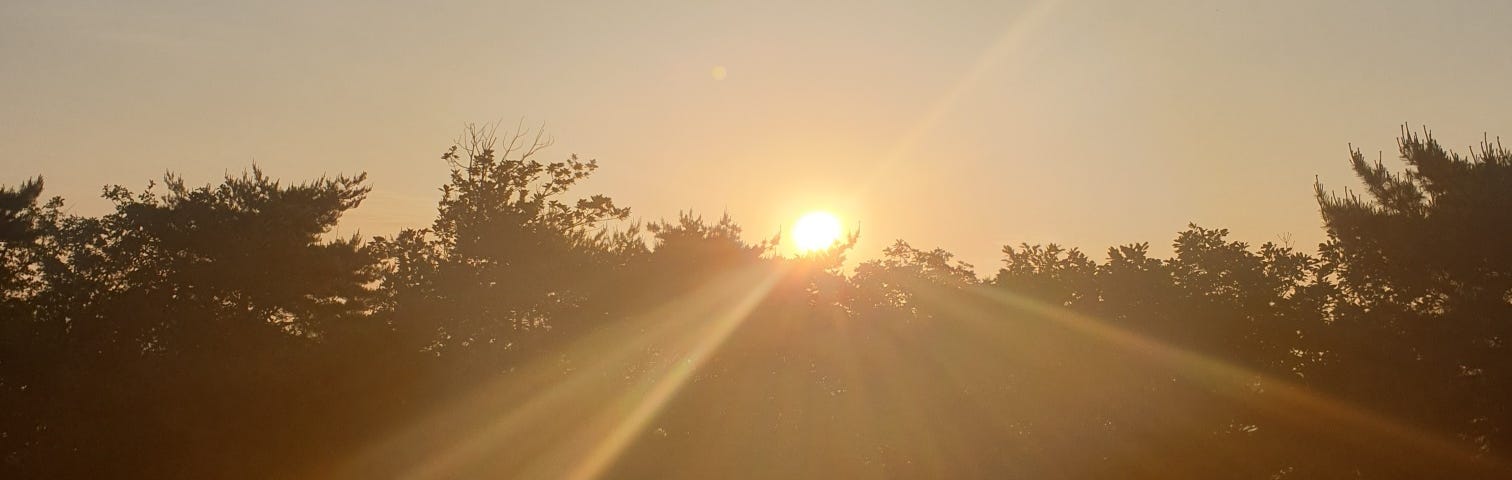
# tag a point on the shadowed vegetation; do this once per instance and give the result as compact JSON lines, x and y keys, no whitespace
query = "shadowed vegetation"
{"x":533,"y":331}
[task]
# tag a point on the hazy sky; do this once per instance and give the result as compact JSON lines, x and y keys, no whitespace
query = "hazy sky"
{"x":960,"y":125}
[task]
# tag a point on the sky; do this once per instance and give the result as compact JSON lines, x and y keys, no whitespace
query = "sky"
{"x":960,"y":125}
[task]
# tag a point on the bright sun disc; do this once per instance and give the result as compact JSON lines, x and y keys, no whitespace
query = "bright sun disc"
{"x":816,"y":231}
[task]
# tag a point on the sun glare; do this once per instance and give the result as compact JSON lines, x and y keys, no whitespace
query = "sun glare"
{"x":816,"y":231}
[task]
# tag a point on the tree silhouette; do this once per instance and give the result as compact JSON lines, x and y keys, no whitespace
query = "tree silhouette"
{"x":508,"y":259}
{"x":220,"y":332}
{"x":1425,"y":288}
{"x":173,"y":326}
{"x":21,"y":341}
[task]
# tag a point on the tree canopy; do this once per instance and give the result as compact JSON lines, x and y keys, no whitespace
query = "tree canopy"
{"x":533,"y":330}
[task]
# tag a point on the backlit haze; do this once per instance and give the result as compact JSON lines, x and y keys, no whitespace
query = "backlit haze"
{"x":962,"y":125}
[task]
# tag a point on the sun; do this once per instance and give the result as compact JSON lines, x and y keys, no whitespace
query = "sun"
{"x":816,"y":231}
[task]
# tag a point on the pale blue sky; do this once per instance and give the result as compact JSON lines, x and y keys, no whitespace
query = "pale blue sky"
{"x":1086,"y":123}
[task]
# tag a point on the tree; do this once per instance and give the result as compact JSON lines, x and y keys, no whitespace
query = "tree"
{"x":1049,"y":273}
{"x":21,"y":343}
{"x":15,"y":207}
{"x":196,"y":304}
{"x":1425,"y":275}
{"x":906,"y":275}
{"x":507,"y":258}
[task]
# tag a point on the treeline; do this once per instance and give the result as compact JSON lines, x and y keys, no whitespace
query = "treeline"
{"x":219,"y":331}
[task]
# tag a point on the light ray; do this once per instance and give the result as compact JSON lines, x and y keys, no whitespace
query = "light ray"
{"x":517,"y":423}
{"x":1019,"y":28}
{"x":1305,"y":407}
{"x":608,"y":449}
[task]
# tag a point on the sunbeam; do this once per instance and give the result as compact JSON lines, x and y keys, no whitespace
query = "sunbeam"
{"x":1014,"y":34}
{"x":556,"y":413}
{"x":704,"y":342}
{"x":1304,"y":407}
{"x":400,"y":288}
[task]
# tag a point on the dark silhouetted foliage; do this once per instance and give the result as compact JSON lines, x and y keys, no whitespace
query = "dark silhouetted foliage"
{"x":531,"y":332}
